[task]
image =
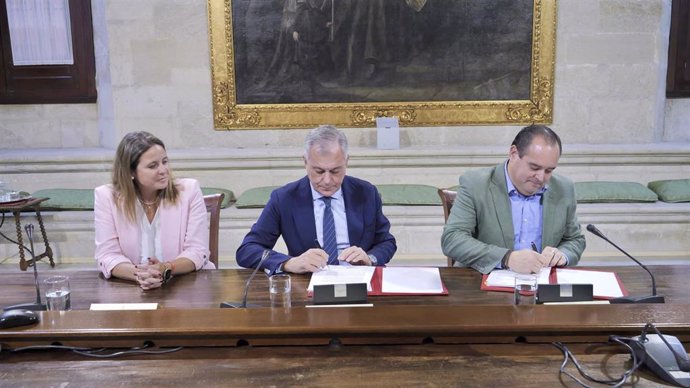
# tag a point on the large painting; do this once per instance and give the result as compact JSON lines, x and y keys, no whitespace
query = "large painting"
{"x":300,"y":63}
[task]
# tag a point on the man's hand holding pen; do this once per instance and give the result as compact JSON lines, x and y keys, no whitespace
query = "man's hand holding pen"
{"x":556,"y":257}
{"x":353,"y":255}
{"x":531,"y":261}
{"x":313,"y":260}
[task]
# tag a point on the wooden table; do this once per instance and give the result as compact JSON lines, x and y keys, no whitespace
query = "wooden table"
{"x":468,"y":338}
{"x":16,"y":208}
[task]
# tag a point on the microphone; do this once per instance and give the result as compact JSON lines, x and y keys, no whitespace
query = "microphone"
{"x":654,"y":298}
{"x":38,"y":306}
{"x":681,"y":359}
{"x":243,"y":304}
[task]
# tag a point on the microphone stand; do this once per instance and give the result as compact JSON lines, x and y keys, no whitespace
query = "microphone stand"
{"x":38,"y":306}
{"x":243,"y":304}
{"x":654,"y":298}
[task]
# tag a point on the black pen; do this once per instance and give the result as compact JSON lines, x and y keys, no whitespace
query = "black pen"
{"x":534,"y":247}
{"x":317,"y":245}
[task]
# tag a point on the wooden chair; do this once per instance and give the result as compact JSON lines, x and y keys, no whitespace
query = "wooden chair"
{"x":213,"y":203}
{"x":447,"y":199}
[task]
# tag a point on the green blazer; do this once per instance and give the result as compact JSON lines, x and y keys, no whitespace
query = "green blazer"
{"x":479,"y":231}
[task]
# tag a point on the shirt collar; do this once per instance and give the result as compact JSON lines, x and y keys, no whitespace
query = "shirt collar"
{"x":513,"y":191}
{"x":315,"y":195}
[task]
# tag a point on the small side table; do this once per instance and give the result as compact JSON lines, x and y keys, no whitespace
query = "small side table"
{"x":16,"y":209}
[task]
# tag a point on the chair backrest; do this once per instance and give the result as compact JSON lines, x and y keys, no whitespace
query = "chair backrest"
{"x":213,"y":203}
{"x":447,"y":199}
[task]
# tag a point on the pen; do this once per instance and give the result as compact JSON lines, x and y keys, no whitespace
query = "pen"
{"x":534,"y":247}
{"x":317,"y":245}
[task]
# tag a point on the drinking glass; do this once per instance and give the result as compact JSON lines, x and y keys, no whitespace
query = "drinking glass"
{"x":525,"y":291}
{"x":57,"y":293}
{"x":280,"y":290}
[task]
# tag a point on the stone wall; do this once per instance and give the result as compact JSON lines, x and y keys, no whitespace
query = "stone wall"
{"x":153,"y":74}
{"x":153,"y":70}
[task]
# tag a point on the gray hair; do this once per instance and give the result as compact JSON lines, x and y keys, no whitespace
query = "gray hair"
{"x":323,"y":135}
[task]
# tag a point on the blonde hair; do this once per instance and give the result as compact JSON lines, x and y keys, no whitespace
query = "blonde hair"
{"x":127,"y":156}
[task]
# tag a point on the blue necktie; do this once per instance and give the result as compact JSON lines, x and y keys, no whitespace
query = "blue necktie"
{"x":330,"y":244}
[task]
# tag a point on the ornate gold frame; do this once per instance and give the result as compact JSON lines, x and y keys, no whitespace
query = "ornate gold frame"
{"x":227,"y":114}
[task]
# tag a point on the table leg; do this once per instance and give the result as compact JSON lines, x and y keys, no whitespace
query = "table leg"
{"x":48,"y":252}
{"x":23,"y":265}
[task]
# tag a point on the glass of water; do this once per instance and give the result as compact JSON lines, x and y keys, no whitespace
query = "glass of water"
{"x":280,"y":290}
{"x":525,"y":289}
{"x":57,"y":293}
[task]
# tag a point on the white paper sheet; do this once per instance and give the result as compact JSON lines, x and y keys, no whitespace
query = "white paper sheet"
{"x":506,"y":278}
{"x":578,"y":302}
{"x":336,"y":274}
{"x":123,"y":306}
{"x":411,"y":280}
{"x":605,"y":283}
{"x":339,"y":305}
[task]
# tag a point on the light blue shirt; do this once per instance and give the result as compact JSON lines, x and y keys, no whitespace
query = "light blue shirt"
{"x":339,"y":218}
{"x":527,"y":216}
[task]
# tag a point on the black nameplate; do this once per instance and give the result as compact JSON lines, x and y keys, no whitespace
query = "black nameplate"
{"x":340,"y":293}
{"x":565,"y":293}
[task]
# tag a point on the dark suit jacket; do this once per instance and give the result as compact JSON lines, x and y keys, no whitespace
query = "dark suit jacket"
{"x":290,"y":213}
{"x":479,"y":230}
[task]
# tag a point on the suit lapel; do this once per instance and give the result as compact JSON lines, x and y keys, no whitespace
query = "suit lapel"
{"x":548,"y":224}
{"x":499,"y":195}
{"x":354,"y":212}
{"x":303,"y":215}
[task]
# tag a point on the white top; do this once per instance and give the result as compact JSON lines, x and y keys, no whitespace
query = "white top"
{"x":150,"y":235}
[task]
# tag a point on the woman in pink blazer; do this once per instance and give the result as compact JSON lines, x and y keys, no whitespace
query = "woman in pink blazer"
{"x":149,"y":226}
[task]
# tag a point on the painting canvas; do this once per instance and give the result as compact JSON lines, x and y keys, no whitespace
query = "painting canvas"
{"x":300,"y":63}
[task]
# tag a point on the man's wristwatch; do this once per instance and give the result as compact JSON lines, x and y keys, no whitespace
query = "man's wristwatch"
{"x":166,"y":272}
{"x":373,"y":259}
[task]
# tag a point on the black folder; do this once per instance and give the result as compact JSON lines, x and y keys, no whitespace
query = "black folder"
{"x":565,"y":293}
{"x":340,"y":293}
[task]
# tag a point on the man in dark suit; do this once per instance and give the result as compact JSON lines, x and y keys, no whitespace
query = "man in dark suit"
{"x":300,"y":211}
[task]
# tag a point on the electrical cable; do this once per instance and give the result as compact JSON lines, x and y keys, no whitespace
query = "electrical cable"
{"x":635,"y":348}
{"x":97,"y":352}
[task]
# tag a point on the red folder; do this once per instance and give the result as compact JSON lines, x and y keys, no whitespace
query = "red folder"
{"x":376,"y":286}
{"x":553,"y":279}
{"x":377,"y":282}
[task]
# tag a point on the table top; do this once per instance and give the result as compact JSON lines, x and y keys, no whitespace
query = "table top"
{"x":454,"y":340}
{"x":21,"y":204}
{"x":206,"y":289}
{"x":189,"y":312}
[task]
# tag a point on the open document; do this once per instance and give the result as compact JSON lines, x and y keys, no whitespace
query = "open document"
{"x":383,"y":280}
{"x":411,"y":280}
{"x":606,"y":284}
{"x":506,"y":278}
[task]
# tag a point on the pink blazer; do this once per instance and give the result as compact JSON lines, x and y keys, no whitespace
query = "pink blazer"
{"x":184,"y":229}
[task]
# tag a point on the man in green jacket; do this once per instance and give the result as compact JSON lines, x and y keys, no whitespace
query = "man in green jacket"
{"x":516,"y":215}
